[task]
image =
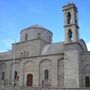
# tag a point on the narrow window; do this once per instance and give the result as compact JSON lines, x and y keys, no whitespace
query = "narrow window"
{"x":21,"y":54}
{"x":75,"y":18}
{"x":38,"y":35}
{"x":24,"y":54}
{"x":87,"y":81}
{"x":68,"y":18}
{"x":42,"y":83}
{"x":26,"y":36}
{"x":27,"y":53}
{"x":49,"y":38}
{"x":46,"y":74}
{"x":3,"y":75}
{"x":15,"y":75}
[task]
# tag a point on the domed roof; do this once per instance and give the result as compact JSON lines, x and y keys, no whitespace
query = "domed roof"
{"x":36,"y":26}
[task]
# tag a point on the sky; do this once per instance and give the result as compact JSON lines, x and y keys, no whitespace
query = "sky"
{"x":16,"y":15}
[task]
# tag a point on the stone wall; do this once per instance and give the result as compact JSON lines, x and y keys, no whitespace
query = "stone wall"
{"x":71,"y":69}
{"x":39,"y":88}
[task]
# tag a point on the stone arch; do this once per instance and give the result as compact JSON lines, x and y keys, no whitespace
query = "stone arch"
{"x":61,"y":73}
{"x":3,"y":70}
{"x":45,"y":65}
{"x":28,"y":70}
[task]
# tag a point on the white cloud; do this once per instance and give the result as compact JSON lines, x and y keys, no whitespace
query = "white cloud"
{"x":88,"y":46}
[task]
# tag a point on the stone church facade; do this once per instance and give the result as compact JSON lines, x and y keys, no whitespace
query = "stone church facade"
{"x":37,"y":62}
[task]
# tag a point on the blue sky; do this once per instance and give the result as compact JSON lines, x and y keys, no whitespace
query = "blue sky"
{"x":16,"y":15}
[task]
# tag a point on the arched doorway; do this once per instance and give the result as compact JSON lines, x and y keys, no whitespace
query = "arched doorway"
{"x":30,"y":80}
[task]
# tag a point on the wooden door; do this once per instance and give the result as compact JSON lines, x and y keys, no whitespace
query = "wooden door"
{"x":29,"y":80}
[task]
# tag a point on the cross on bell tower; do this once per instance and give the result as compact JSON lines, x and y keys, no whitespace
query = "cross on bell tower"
{"x":71,"y":23}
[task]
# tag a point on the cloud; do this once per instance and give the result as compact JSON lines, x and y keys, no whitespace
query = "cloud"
{"x":88,"y":46}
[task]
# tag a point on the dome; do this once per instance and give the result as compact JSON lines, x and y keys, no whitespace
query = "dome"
{"x":35,"y":26}
{"x":36,"y":32}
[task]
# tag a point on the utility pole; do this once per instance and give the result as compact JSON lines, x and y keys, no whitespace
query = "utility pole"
{"x":13,"y":83}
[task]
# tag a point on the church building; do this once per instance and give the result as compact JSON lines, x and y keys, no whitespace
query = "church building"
{"x":37,"y":62}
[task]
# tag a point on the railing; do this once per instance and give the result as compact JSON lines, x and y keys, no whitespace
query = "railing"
{"x":38,"y":88}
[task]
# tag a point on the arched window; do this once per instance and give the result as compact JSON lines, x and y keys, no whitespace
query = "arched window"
{"x":70,"y":34}
{"x":24,"y":54}
{"x":3,"y":75}
{"x":3,"y":67}
{"x":26,"y":36}
{"x":68,"y":18}
{"x":46,"y":73}
{"x":21,"y":54}
{"x":75,"y":18}
{"x":27,"y":53}
{"x":50,"y":39}
{"x":38,"y":35}
{"x":87,"y":81}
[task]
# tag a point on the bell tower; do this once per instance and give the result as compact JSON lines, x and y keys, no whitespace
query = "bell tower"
{"x":70,"y":23}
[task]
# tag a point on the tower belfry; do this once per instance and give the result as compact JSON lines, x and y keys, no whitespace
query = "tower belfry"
{"x":71,"y":23}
